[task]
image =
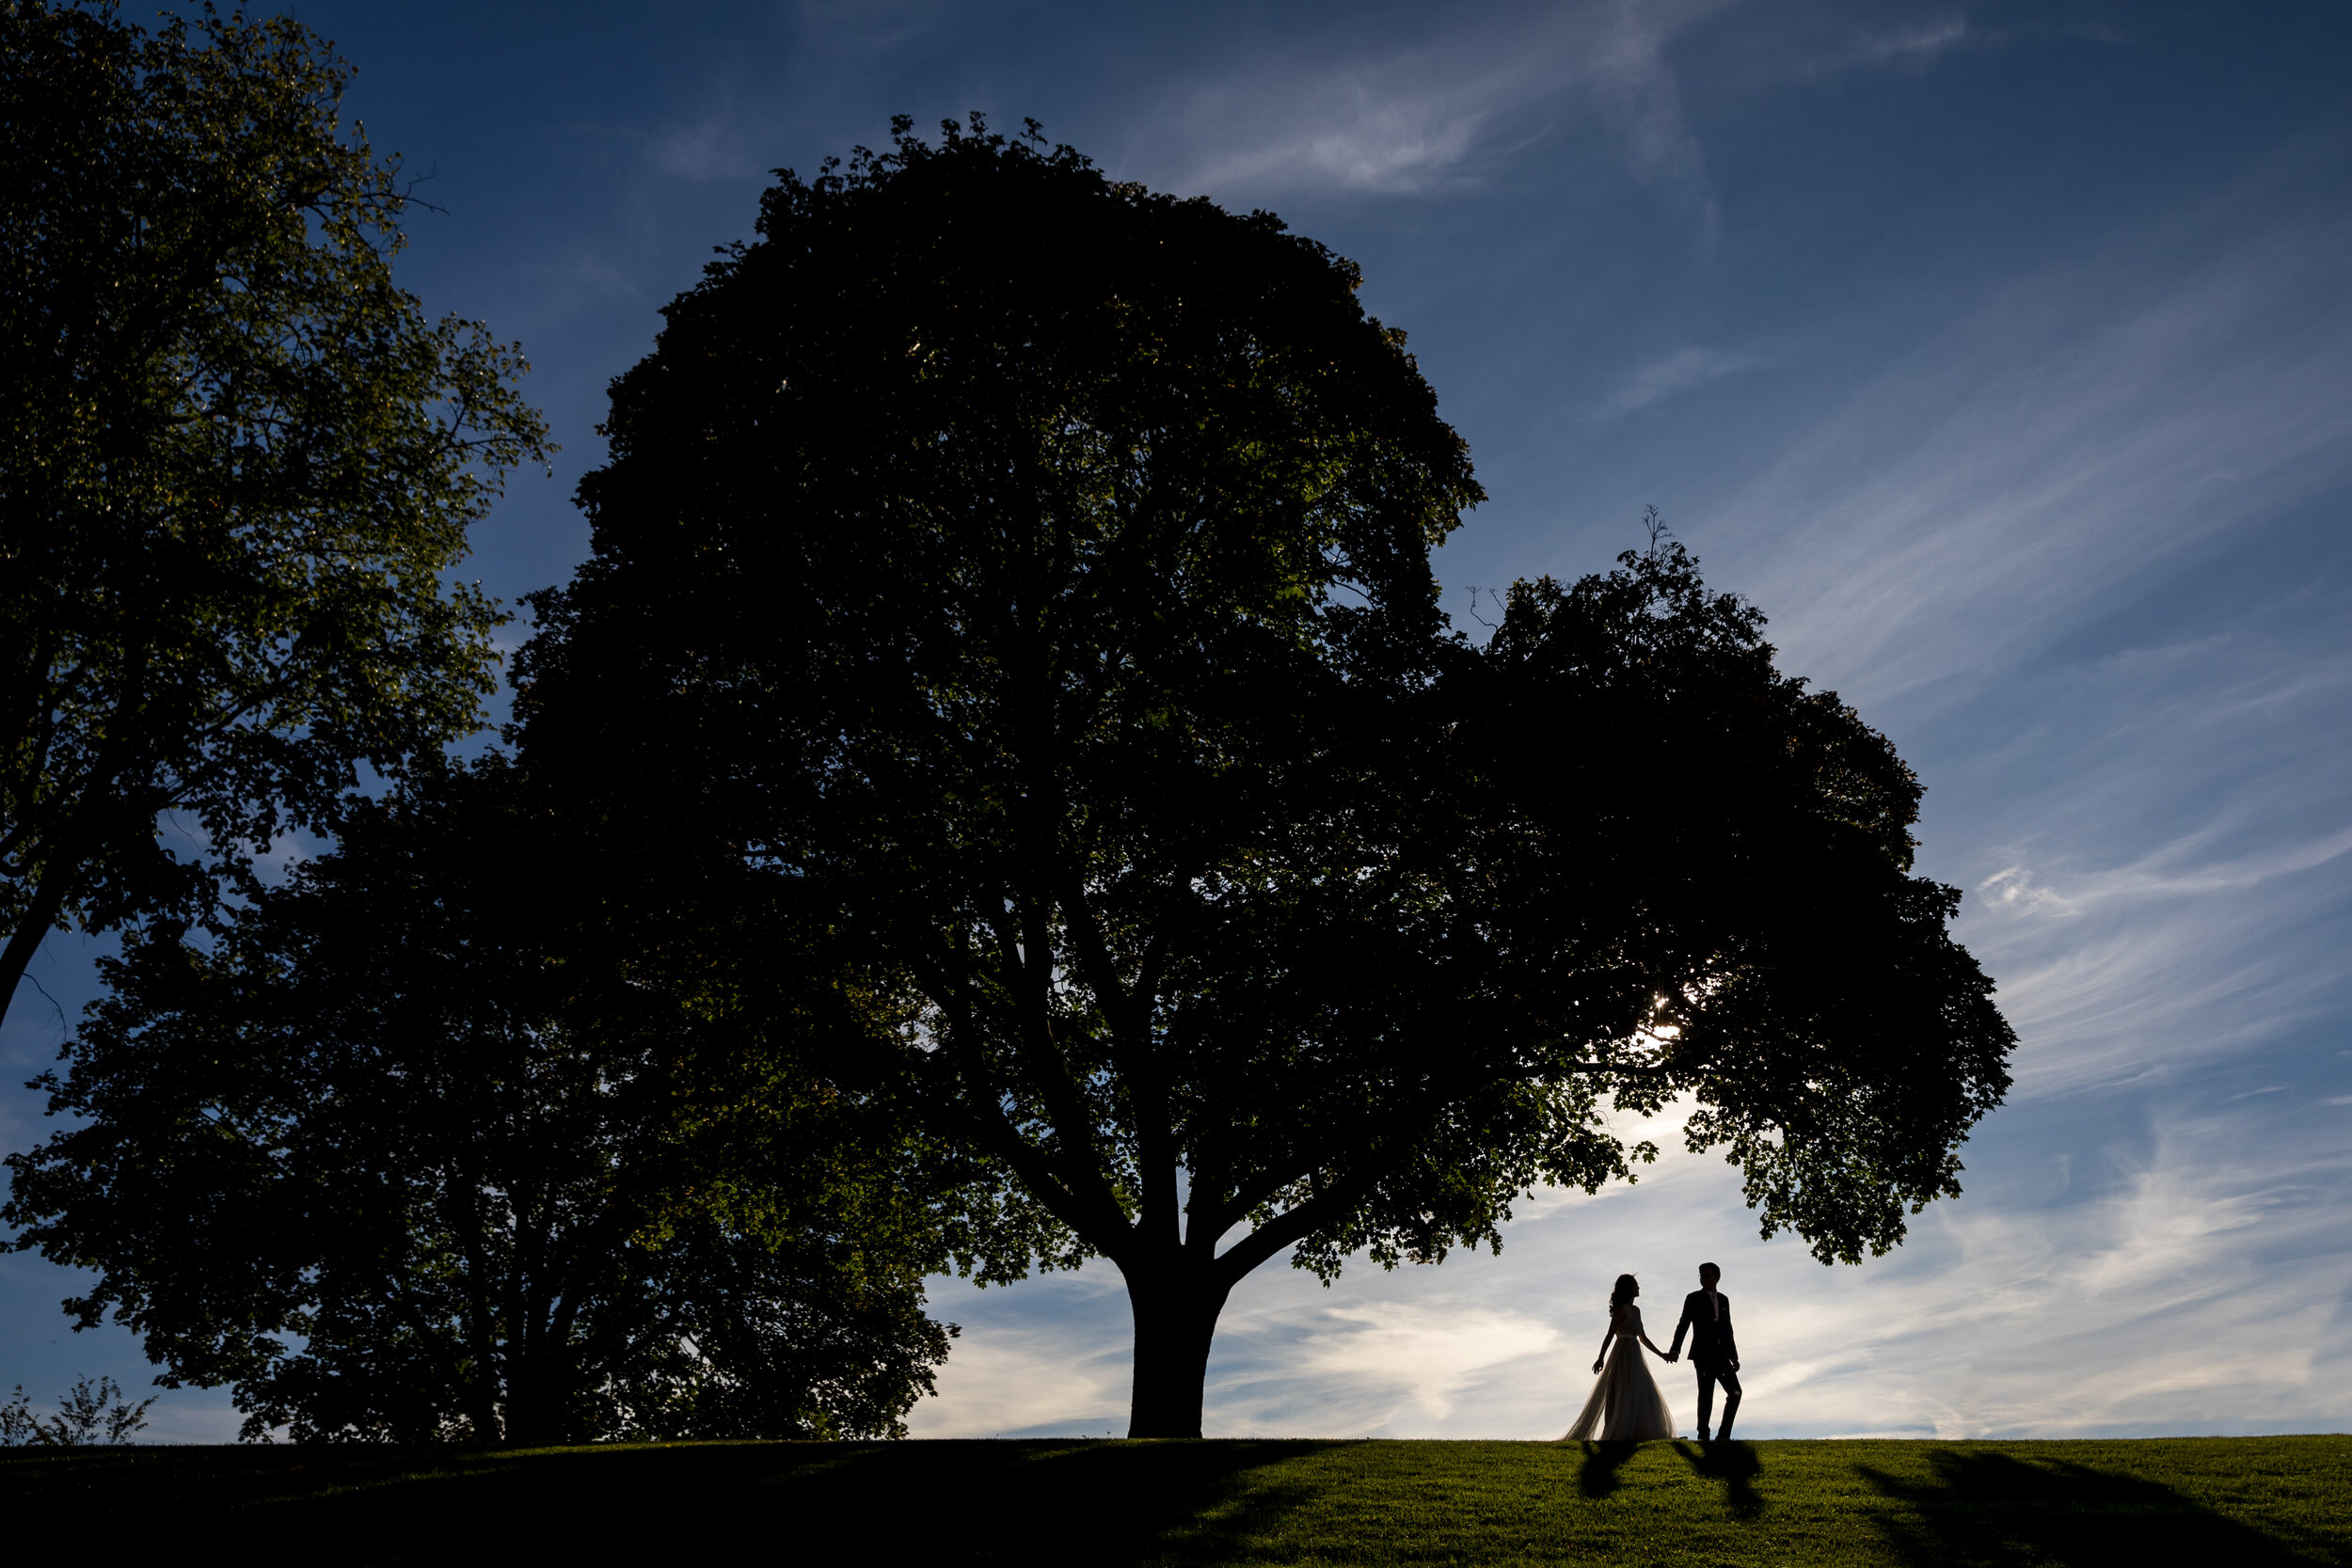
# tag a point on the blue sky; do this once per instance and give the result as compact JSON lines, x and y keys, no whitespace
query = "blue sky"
{"x":2001,"y":353}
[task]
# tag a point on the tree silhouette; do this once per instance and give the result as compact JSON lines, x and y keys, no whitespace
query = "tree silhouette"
{"x":410,"y":1154}
{"x":88,"y":1413}
{"x":1030,"y":574}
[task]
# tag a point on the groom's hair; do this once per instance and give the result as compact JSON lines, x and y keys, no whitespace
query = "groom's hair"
{"x":1709,"y":1268}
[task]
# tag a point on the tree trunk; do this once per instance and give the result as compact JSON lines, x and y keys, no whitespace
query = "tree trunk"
{"x":24,"y":939}
{"x":1175,"y":1311}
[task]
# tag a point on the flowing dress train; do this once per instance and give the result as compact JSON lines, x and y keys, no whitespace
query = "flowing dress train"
{"x":1626,"y":1406}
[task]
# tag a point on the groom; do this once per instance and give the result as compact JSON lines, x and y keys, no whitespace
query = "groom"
{"x":1707,"y":1318}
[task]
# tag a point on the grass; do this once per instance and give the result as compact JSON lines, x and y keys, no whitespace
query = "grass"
{"x":2224,"y":1502}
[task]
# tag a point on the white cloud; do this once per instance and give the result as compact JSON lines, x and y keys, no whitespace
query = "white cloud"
{"x":1657,"y":380}
{"x":1012,"y":1382}
{"x":1908,"y":44}
{"x":864,"y":25}
{"x":1437,"y":112}
{"x":1414,"y":1353}
{"x":710,"y":147}
{"x":1913,"y":44}
{"x":1431,"y":115}
{"x":2012,"y":887}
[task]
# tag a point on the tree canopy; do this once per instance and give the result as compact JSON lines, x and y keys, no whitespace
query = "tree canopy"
{"x":407,"y":1154}
{"x":1032,"y":573}
{"x":235,"y":463}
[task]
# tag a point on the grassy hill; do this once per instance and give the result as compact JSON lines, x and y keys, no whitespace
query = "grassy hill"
{"x":2227,"y":1502}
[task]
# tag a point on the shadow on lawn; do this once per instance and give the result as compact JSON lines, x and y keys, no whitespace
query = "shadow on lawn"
{"x":934,"y":1502}
{"x":1733,"y":1463}
{"x":1994,"y":1508}
{"x":1598,"y":1477}
{"x":1105,"y":1503}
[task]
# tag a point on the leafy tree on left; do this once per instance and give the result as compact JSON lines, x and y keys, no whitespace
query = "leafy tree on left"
{"x":424,"y":1144}
{"x":236,"y":462}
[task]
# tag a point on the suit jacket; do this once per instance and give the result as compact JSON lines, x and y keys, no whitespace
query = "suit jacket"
{"x":1710,"y":1328}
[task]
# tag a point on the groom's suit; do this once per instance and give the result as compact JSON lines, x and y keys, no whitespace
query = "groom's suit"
{"x":1707,"y":1318}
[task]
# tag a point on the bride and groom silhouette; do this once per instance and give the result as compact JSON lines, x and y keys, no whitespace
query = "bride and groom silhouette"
{"x":1626,"y":1406}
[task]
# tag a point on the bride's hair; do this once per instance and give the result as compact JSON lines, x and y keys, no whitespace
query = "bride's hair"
{"x":1627,"y":1284}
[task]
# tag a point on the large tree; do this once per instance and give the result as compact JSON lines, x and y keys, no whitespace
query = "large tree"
{"x":412,"y":1152}
{"x":236,"y":464}
{"x":1032,"y":573}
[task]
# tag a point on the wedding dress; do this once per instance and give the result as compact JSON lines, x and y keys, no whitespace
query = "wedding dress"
{"x":1626,"y":1406}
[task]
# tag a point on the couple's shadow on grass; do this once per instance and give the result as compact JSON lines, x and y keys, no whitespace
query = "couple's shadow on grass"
{"x":1735,"y":1464}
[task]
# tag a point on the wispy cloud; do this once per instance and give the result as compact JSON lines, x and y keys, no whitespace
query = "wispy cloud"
{"x":1422,"y":1357}
{"x":2012,"y":887}
{"x":2222,"y":933}
{"x":710,"y":147}
{"x":2063,"y":440}
{"x":1913,"y":42}
{"x":1436,"y":112}
{"x":864,"y":25}
{"x":1656,"y":380}
{"x":1433,"y":114}
{"x":1025,"y":1367}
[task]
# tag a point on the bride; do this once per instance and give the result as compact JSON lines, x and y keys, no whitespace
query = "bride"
{"x":1635,"y":1410}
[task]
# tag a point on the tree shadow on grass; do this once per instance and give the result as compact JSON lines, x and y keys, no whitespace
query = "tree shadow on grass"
{"x":1993,"y":1507}
{"x":1160,"y":1502}
{"x":1733,"y":1463}
{"x":931,"y":1502}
